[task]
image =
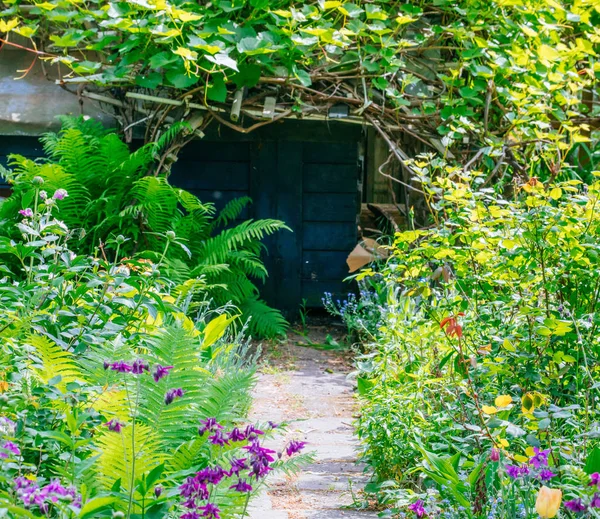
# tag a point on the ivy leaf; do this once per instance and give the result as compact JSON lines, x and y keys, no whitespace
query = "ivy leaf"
{"x":254,"y":45}
{"x":374,"y":12}
{"x":179,"y":79}
{"x":304,"y":77}
{"x":151,"y":80}
{"x":162,"y":59}
{"x":217,"y":91}
{"x":223,"y":60}
{"x":351,"y":10}
{"x":248,"y":75}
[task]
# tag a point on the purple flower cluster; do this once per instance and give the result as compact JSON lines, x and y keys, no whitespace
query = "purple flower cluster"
{"x":10,"y":447}
{"x":138,"y":367}
{"x":539,"y":461}
{"x":27,"y":213}
{"x":31,"y":494}
{"x":218,"y":437}
{"x":578,"y":506}
{"x":197,"y":489}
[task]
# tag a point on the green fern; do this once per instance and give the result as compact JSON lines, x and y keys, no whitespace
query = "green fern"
{"x":113,"y":191}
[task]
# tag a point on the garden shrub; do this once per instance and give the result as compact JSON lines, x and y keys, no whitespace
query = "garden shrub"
{"x":488,"y":350}
{"x":113,"y":402}
{"x":113,"y":193}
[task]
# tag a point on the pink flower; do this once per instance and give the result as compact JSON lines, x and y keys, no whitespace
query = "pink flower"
{"x":60,"y":194}
{"x":27,"y":213}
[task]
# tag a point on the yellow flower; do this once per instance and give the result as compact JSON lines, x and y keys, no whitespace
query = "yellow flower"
{"x":548,"y":502}
{"x":489,"y":409}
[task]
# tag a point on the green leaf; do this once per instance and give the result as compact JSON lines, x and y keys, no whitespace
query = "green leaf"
{"x":215,"y":329}
{"x":592,"y":463}
{"x":248,"y":75}
{"x":180,"y":79}
{"x":217,"y":91}
{"x":151,"y":80}
{"x":96,"y":505}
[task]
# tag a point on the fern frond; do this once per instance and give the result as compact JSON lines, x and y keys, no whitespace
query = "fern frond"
{"x":264,"y":320}
{"x":231,"y":211}
{"x":50,"y":360}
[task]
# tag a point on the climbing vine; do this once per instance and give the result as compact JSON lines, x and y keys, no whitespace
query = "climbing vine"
{"x":507,"y":86}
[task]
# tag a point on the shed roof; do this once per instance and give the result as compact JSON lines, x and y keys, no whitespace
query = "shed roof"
{"x":29,"y":106}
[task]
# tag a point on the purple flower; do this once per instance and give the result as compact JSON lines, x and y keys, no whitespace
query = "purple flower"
{"x":547,"y":475}
{"x":139,"y":366}
{"x":161,"y":371}
{"x":27,"y":213}
{"x":515,"y":472}
{"x":193,"y":488}
{"x":210,"y":511}
{"x":60,"y":194}
{"x":43,"y":195}
{"x":121,"y":366}
{"x":575,"y":505}
{"x":540,"y":458}
{"x":190,"y":515}
{"x":294,"y":447}
{"x":417,"y":508}
{"x":236,"y":435}
{"x":237,"y":465}
{"x":494,"y":455}
{"x":11,"y":447}
{"x":273,"y":425}
{"x":114,"y":425}
{"x":218,"y":438}
{"x":241,"y":486}
{"x":172,"y":394}
{"x":252,"y":432}
{"x":209,"y":425}
{"x":595,"y":479}
{"x":157,"y":491}
{"x":595,"y":502}
{"x":106,"y":365}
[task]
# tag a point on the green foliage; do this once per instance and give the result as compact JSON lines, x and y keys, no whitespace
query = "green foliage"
{"x":510,"y":82}
{"x":87,"y":426}
{"x":488,"y":341}
{"x":113,"y":193}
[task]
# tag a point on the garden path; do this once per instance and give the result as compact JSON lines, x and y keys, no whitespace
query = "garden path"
{"x":308,"y":388}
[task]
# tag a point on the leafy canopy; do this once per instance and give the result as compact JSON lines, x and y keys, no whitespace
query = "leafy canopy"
{"x":507,"y":72}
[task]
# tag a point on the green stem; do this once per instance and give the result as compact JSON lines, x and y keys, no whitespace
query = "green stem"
{"x":132,"y":481}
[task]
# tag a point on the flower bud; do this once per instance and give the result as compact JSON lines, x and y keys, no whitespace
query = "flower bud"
{"x":171,"y":236}
{"x":43,"y":195}
{"x":120,"y":239}
{"x":37,"y":181}
{"x":118,"y":515}
{"x":494,"y":454}
{"x":157,"y":491}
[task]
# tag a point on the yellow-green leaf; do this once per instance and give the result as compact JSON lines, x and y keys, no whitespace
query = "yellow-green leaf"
{"x":186,"y":53}
{"x":216,"y":328}
{"x":9,"y":25}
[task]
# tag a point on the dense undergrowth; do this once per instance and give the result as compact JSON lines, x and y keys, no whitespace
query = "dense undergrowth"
{"x":113,"y":401}
{"x":479,"y":380}
{"x":118,"y":207}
